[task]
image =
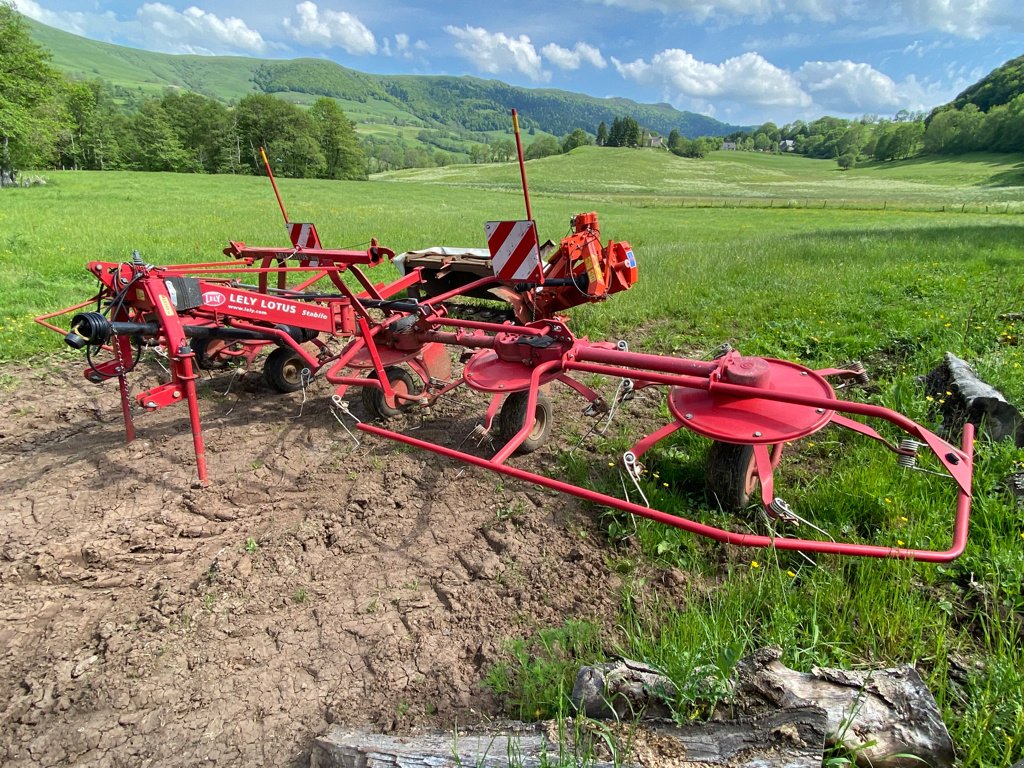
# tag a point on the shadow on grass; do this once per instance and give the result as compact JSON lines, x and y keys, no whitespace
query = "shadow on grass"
{"x":1002,"y":234}
{"x":1011,"y":176}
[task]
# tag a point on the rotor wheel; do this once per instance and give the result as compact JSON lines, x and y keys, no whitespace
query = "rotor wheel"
{"x":383,"y":407}
{"x":513,"y":416}
{"x":283,"y":370}
{"x":730,"y":476}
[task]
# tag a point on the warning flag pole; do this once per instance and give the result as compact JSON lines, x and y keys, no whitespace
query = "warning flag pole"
{"x":273,"y":183}
{"x":522,"y":164}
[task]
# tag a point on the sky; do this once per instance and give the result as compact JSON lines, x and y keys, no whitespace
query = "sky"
{"x":744,"y":62}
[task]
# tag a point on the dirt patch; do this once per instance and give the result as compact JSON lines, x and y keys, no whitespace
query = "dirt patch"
{"x":146,"y":621}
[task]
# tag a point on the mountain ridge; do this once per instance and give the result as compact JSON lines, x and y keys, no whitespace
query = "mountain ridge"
{"x":465,"y":102}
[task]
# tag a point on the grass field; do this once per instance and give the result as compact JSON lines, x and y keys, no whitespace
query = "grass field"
{"x":737,"y":248}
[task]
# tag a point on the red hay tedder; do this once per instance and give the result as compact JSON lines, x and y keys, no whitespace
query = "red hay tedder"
{"x":393,"y":340}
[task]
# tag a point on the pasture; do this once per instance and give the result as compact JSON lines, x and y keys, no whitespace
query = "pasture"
{"x":890,"y":264}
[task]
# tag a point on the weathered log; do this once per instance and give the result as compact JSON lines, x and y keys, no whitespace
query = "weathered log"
{"x":972,"y":400}
{"x":622,"y":690}
{"x":881,"y":716}
{"x":348,"y":748}
{"x":792,"y":738}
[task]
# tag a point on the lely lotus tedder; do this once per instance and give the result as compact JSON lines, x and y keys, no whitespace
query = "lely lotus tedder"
{"x":397,"y":340}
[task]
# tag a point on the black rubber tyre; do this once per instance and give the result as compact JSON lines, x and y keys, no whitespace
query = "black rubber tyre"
{"x":401,"y":382}
{"x":730,"y":476}
{"x":283,"y":370}
{"x":513,"y":416}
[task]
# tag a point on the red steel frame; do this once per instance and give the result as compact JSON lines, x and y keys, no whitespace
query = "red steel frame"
{"x":507,"y":358}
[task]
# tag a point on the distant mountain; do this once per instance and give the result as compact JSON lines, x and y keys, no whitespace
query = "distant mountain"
{"x":462,"y":103}
{"x":998,"y":87}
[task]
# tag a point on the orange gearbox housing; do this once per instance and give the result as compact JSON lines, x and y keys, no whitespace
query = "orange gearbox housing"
{"x":583,"y":271}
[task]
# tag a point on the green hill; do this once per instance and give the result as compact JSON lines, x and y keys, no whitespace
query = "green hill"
{"x":1000,"y":86}
{"x":385,"y":101}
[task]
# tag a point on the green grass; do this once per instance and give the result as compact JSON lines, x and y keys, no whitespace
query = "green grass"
{"x":976,"y":183}
{"x":819,"y":284}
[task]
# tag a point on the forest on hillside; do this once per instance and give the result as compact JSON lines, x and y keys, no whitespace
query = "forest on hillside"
{"x":48,"y":120}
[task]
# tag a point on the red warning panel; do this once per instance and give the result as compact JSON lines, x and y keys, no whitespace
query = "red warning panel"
{"x":303,"y":235}
{"x":515,"y":251}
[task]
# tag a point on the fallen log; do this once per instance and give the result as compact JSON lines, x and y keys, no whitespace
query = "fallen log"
{"x":881,"y":716}
{"x":792,"y":738}
{"x":622,"y":690}
{"x":963,"y":397}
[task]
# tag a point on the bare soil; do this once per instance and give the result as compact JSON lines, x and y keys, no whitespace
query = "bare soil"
{"x":147,"y":621}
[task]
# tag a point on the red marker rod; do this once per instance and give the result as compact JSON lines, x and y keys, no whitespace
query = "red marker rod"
{"x":522,"y":163}
{"x":273,"y":183}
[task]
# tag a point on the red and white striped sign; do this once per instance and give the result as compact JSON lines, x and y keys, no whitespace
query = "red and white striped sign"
{"x":303,"y":235}
{"x":515,"y":251}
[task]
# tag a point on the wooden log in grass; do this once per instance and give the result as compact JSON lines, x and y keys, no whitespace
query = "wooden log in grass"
{"x":791,"y":738}
{"x":961,"y":396}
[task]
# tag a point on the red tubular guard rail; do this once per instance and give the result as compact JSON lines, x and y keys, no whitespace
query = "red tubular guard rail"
{"x":960,"y":523}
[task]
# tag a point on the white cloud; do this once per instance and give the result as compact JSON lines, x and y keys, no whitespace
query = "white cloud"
{"x":496,"y":52}
{"x":158,"y":27}
{"x":563,"y":58}
{"x":756,"y":10}
{"x":401,"y":46}
{"x":751,"y":89}
{"x":919,"y":48}
{"x":330,"y":29}
{"x":848,"y":86}
{"x":70,"y":21}
{"x":197,"y":31}
{"x":964,"y":18}
{"x":852,"y":88}
{"x":748,"y":79}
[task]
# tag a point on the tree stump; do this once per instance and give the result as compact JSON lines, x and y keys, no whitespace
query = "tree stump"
{"x":881,"y":716}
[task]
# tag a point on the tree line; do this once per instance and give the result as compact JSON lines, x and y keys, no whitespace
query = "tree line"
{"x":947,"y":131}
{"x":48,"y":120}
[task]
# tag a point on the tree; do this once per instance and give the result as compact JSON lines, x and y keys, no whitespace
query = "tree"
{"x":502,"y":150}
{"x":542,"y":147}
{"x":91,"y":138}
{"x":344,"y":156}
{"x":953,"y":132}
{"x":854,"y":140}
{"x":885,"y":134}
{"x":625,"y":132}
{"x":602,"y":134}
{"x":202,"y":126}
{"x":31,"y":111}
{"x":286,"y":131}
{"x":673,"y":138}
{"x":771,"y":131}
{"x":479,"y":153}
{"x":577,"y":138}
{"x":907,"y":140}
{"x":695,"y":148}
{"x":157,"y":147}
{"x":847,"y":160}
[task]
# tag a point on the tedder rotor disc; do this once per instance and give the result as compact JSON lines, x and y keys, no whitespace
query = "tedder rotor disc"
{"x":756,"y":420}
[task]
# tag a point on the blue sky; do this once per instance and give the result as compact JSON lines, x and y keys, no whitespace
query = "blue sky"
{"x":741,"y":61}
